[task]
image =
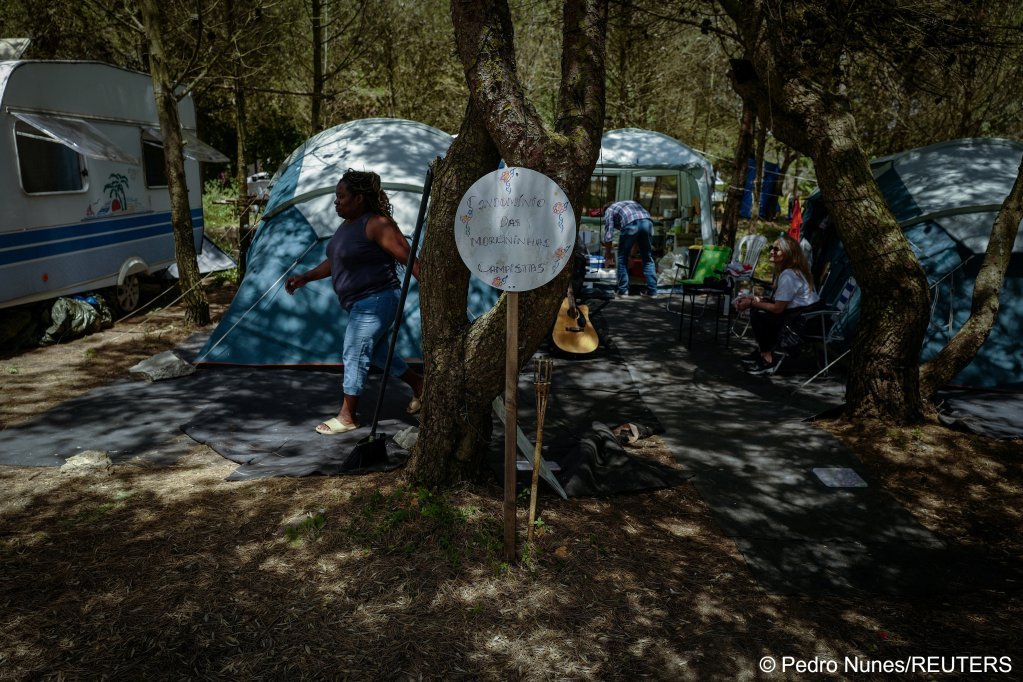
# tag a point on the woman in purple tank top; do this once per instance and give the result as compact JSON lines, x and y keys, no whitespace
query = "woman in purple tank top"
{"x":361,"y":259}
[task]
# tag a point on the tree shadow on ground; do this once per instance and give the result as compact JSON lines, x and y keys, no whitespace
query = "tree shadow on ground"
{"x":173,"y":572}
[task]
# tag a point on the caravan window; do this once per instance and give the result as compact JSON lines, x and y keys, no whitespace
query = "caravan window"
{"x":153,"y":160}
{"x":45,"y":164}
{"x":601,"y":190}
{"x":658,"y":194}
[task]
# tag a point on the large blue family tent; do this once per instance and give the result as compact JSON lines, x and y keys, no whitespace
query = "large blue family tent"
{"x":266,"y":326}
{"x":945,"y":197}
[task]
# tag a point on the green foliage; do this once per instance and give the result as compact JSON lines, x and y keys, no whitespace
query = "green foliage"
{"x":417,"y":520}
{"x":897,"y":437}
{"x":99,"y":512}
{"x":219,"y":216}
{"x":309,"y":528}
{"x":226,"y":277}
{"x":528,"y":556}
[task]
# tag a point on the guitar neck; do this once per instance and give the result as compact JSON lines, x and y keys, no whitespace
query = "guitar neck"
{"x":573,"y":311}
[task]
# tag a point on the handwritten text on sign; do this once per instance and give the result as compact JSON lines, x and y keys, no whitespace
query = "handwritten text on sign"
{"x":515,"y":229}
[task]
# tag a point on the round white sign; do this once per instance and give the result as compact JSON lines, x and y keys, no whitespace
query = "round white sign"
{"x":515,"y":229}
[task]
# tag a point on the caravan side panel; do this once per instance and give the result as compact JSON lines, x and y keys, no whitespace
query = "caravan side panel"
{"x":79,"y":236}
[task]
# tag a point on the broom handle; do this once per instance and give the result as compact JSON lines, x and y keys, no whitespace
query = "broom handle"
{"x":404,"y":292}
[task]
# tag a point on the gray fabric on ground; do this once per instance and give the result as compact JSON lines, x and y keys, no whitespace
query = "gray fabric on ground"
{"x":268,"y":424}
{"x":263,"y":419}
{"x":995,"y":414}
{"x":127,"y":419}
{"x":589,"y":395}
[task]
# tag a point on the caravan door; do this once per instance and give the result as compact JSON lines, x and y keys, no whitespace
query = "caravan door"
{"x":602,"y":189}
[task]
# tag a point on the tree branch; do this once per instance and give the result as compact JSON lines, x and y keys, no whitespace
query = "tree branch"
{"x":487,"y":53}
{"x":581,"y":96}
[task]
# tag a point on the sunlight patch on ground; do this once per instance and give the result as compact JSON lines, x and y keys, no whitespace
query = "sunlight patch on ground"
{"x":535,"y":653}
{"x":682,"y":529}
{"x":20,"y":490}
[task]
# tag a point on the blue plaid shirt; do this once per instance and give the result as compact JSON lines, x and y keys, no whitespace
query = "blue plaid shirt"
{"x":621,"y":214}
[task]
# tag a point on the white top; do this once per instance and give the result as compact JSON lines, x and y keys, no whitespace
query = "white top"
{"x":794,"y":289}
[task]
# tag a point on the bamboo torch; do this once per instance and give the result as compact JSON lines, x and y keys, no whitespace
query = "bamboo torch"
{"x":542,"y":386}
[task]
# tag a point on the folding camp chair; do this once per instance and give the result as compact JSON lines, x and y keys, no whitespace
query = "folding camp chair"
{"x":710,"y":264}
{"x":741,"y":269}
{"x":820,"y":327}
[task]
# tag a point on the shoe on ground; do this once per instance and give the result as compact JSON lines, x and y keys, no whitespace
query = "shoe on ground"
{"x":647,"y":295}
{"x":334,"y":426}
{"x":763,"y":368}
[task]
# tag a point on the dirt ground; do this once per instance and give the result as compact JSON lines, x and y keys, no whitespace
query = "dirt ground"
{"x":170,"y":572}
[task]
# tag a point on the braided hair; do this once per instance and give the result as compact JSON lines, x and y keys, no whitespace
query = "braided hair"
{"x":367,"y":183}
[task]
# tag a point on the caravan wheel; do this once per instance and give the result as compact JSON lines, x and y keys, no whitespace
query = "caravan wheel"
{"x":128,"y":294}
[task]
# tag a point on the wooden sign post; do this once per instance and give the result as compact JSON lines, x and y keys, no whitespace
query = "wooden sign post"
{"x":511,"y":416}
{"x":515,"y":230}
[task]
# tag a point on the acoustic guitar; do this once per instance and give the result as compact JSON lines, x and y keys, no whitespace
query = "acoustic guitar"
{"x":573,"y":332}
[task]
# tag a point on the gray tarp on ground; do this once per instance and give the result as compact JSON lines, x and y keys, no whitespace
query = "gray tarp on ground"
{"x":995,"y":414}
{"x":263,"y":419}
{"x":742,"y":438}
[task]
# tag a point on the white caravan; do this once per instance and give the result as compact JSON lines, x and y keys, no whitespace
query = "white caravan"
{"x":83,"y":191}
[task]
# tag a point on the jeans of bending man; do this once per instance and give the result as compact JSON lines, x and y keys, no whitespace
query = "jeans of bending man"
{"x":641,"y":233}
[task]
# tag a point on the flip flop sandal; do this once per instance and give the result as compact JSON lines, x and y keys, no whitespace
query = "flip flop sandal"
{"x":335,"y":425}
{"x":414,"y":406}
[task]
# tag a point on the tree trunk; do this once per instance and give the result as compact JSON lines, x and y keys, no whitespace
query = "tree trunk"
{"x":740,"y":168}
{"x":465,"y":361}
{"x":800,"y":92}
{"x":197,"y":308}
{"x":241,"y":138}
{"x":243,"y":188}
{"x":758,"y":178}
{"x":456,"y":421}
{"x":316,"y":105}
{"x":963,"y":347}
{"x":884,"y":367}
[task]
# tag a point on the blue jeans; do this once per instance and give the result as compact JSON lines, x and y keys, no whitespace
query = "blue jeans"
{"x":369,"y":322}
{"x":637,"y":232}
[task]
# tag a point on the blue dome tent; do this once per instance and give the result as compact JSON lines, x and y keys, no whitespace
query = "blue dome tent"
{"x":945,"y":197}
{"x":266,"y":326}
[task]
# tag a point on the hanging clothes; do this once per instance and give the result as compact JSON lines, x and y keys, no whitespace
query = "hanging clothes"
{"x":796,"y":219}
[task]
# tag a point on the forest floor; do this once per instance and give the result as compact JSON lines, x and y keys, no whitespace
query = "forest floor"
{"x":170,"y":572}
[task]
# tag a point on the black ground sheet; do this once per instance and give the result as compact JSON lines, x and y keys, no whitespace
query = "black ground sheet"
{"x":263,"y":419}
{"x":269,"y":426}
{"x":801,"y":508}
{"x":590,"y":394}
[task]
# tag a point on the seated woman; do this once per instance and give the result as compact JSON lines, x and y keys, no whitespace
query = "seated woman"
{"x":793,"y":293}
